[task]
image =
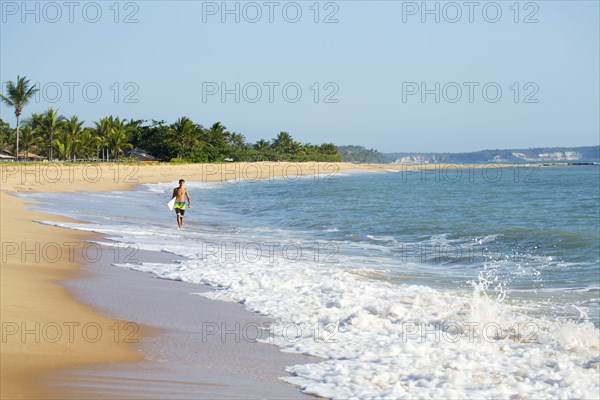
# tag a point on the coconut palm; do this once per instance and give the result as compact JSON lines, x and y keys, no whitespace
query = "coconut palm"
{"x":306,"y":149}
{"x":328,"y":148}
{"x":295,"y":147}
{"x":237,"y":141}
{"x":262,"y":145}
{"x":103,"y":130}
{"x":3,"y":125}
{"x":50,"y":123}
{"x":217,"y":136}
{"x":34,"y":121}
{"x":64,"y":145}
{"x":134,"y":129}
{"x":185,"y":133}
{"x":6,"y":135}
{"x":283,"y":143}
{"x":73,"y":126}
{"x":30,"y":139}
{"x":72,"y":129}
{"x":17,"y":96}
{"x":88,"y":144}
{"x":118,"y":141}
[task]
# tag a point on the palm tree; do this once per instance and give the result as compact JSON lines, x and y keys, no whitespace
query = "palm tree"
{"x":237,"y":141}
{"x":103,"y":130}
{"x":6,"y":135}
{"x":88,"y":143}
{"x":308,"y":150}
{"x":49,"y":124}
{"x":73,"y":126}
{"x":283,"y":142}
{"x":262,"y":145}
{"x":329,"y":148}
{"x":18,"y":95}
{"x":64,"y":145}
{"x":34,"y":121}
{"x":184,"y":131}
{"x":118,"y":141}
{"x":217,"y":135}
{"x":72,"y":129}
{"x":134,"y":129}
{"x":295,"y":147}
{"x":30,"y":139}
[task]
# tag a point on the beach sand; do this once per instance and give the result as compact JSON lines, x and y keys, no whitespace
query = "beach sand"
{"x":33,"y":304}
{"x":183,"y":360}
{"x":45,"y":329}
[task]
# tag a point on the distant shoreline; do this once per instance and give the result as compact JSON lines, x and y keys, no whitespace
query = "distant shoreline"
{"x":575,"y":154}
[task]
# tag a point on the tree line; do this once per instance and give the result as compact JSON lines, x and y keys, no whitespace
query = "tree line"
{"x":54,"y":136}
{"x":361,"y":155}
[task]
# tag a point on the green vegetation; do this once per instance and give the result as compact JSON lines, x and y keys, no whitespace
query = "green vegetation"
{"x":359,"y":154}
{"x":17,"y":96}
{"x":53,"y":136}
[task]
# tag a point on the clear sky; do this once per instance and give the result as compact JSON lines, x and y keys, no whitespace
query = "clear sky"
{"x":383,"y":74}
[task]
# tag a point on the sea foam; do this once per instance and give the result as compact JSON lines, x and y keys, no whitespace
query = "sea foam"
{"x":379,"y":339}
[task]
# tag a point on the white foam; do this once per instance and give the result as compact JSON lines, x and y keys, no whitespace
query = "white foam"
{"x":167,"y":187}
{"x":382,"y":340}
{"x":386,"y":344}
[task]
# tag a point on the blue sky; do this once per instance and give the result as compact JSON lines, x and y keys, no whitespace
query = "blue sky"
{"x":358,"y":78}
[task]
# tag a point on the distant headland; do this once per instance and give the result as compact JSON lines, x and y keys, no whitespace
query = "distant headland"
{"x":579,"y":155}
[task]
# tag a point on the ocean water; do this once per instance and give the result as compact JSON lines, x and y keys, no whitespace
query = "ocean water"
{"x":476,"y":282}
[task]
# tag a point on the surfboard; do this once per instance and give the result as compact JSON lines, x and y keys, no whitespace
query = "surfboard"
{"x":171,"y":204}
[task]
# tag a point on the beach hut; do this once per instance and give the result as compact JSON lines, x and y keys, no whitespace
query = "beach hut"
{"x":30,"y":157}
{"x":6,"y":156}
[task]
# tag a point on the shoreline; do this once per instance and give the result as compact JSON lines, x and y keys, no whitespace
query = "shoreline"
{"x":33,"y":297}
{"x":34,"y":292}
{"x":182,"y":361}
{"x":42,"y":327}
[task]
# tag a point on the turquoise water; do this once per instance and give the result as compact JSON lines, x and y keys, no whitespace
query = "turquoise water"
{"x":534,"y":234}
{"x":538,"y":234}
{"x":407,"y":285}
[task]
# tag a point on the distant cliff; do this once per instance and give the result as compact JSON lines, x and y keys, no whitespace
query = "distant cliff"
{"x":541,"y":154}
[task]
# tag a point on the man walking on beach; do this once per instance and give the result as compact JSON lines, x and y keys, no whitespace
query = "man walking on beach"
{"x":179,"y":193}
